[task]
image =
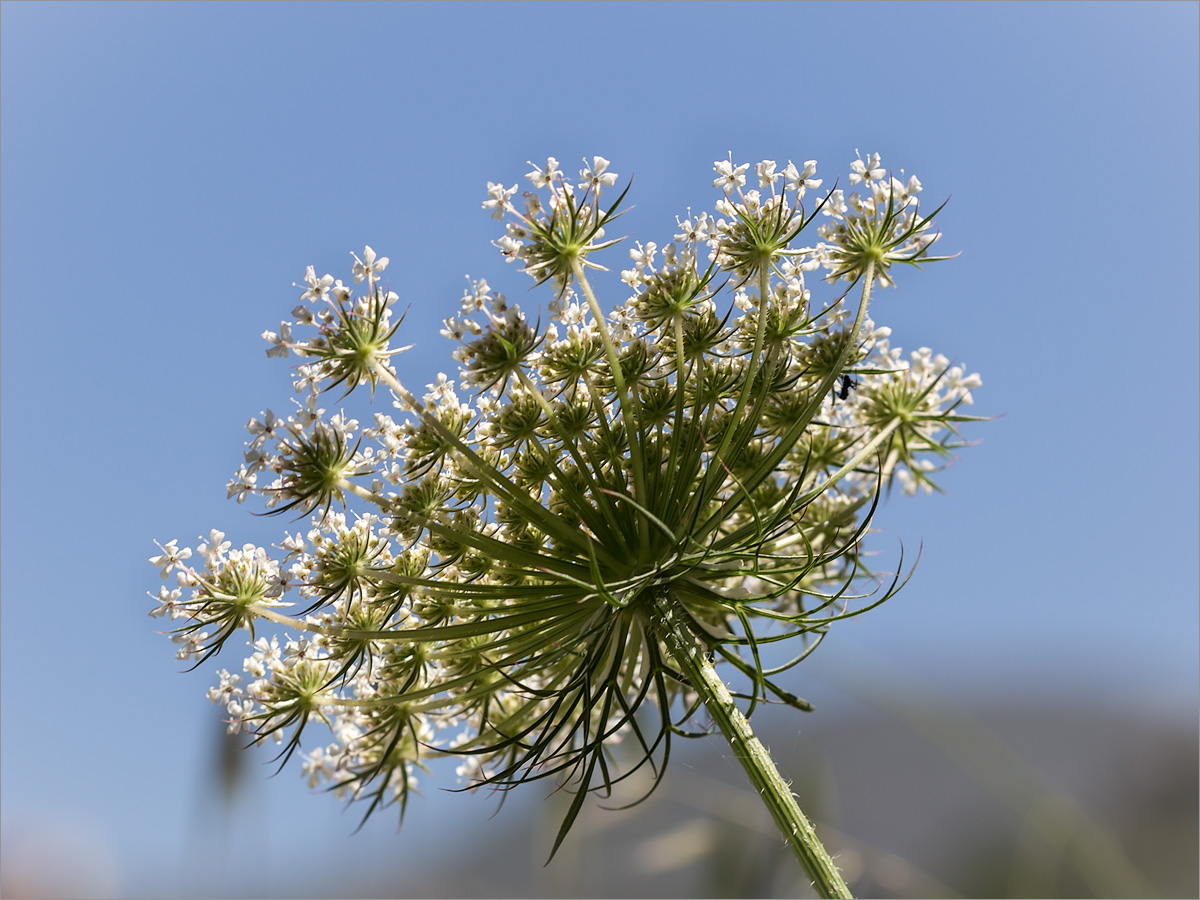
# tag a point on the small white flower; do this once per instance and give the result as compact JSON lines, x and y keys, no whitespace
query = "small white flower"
{"x":293,"y":544}
{"x":643,"y":255}
{"x":870,"y":170}
{"x":296,"y":651}
{"x":369,"y":266}
{"x":318,"y":288}
{"x":171,"y":555}
{"x":269,"y":427}
{"x":729,"y":179}
{"x":597,"y":176}
{"x":543,"y":177}
{"x":767,"y":176}
{"x":442,"y":392}
{"x":214,"y":548}
{"x":696,"y":233}
{"x":168,"y":603}
{"x":801,"y":180}
{"x":476,"y":297}
{"x":227,"y":689}
{"x":509,"y":248}
{"x":498,"y":196}
{"x":241,"y":484}
{"x":266,"y":654}
{"x":192,"y":644}
{"x":279,"y":341}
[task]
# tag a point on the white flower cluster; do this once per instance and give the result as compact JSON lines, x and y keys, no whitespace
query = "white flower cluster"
{"x":713,"y":444}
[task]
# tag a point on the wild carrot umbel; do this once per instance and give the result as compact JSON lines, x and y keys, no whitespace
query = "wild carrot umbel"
{"x":631,"y":504}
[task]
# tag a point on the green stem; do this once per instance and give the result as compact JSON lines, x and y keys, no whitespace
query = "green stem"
{"x":764,"y":285}
{"x":672,"y":626}
{"x":852,"y":337}
{"x":626,"y":399}
{"x":854,"y":463}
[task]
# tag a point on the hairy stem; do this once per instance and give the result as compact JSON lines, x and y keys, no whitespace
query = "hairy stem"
{"x":672,"y":626}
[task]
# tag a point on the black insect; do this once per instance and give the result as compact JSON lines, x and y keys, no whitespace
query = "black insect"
{"x":848,"y":385}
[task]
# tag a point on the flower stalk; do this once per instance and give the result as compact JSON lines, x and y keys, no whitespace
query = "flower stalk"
{"x":798,"y":832}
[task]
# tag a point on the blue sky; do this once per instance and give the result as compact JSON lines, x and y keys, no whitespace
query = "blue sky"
{"x":169,"y":170}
